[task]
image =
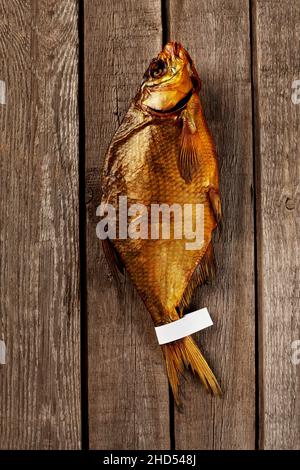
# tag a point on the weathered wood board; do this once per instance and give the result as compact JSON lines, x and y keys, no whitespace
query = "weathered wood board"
{"x":128,"y":390}
{"x":39,"y":245}
{"x":278,"y":148}
{"x":217,"y":35}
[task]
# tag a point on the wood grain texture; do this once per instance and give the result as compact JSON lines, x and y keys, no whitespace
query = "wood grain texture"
{"x":128,"y":390}
{"x":277,"y":34}
{"x":216,"y":34}
{"x":39,"y":288}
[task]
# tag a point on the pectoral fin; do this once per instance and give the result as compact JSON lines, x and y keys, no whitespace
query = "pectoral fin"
{"x":188,"y":158}
{"x":196,"y":141}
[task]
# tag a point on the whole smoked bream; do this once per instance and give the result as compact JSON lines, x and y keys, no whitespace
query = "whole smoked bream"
{"x":163,"y":153}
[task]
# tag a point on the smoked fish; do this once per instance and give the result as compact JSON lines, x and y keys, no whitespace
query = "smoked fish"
{"x":163,"y":153}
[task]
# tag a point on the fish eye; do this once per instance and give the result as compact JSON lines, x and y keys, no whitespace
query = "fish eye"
{"x":157,"y":68}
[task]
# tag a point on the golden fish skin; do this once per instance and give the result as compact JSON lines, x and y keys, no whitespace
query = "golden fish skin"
{"x":163,"y":153}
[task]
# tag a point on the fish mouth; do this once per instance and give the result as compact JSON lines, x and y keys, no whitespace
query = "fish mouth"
{"x":178,"y":106}
{"x":173,"y":49}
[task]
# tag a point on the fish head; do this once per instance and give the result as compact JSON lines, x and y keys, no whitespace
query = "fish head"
{"x":170,"y":80}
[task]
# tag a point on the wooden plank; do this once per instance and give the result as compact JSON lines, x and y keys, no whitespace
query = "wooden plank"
{"x":216,"y":32}
{"x":278,"y":123}
{"x":128,"y":390}
{"x":39,"y":285}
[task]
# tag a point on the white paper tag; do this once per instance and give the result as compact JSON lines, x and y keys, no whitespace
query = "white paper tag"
{"x":185,"y":326}
{"x":2,"y":92}
{"x":2,"y":352}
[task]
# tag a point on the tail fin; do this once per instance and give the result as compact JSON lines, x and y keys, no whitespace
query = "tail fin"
{"x":183,"y":353}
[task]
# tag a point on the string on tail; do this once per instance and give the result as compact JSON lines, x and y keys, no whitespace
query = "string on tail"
{"x":185,"y":353}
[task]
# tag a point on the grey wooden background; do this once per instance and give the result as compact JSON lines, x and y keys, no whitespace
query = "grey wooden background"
{"x":83,"y":369}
